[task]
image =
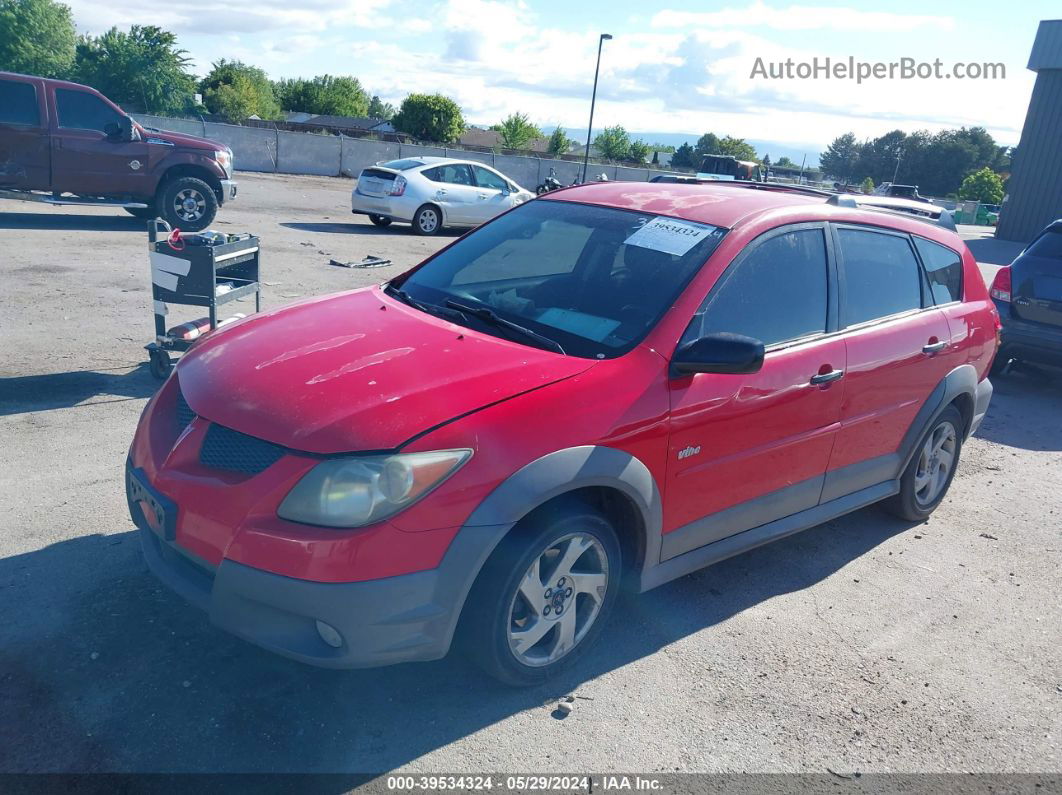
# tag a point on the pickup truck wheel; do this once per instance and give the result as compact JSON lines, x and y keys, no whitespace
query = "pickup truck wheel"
{"x":187,"y":203}
{"x":380,"y":220}
{"x":147,"y":213}
{"x":543,"y":596}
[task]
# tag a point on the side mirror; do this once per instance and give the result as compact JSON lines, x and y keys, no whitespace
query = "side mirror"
{"x":121,"y":130}
{"x":719,"y":353}
{"x":112,"y":130}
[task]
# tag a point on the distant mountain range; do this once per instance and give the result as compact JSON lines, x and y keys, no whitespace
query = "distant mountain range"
{"x":772,"y":148}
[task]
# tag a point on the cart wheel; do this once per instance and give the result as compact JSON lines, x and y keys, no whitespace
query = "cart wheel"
{"x":160,"y":363}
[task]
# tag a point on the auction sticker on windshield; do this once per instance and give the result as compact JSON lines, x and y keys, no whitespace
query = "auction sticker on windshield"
{"x":669,"y":235}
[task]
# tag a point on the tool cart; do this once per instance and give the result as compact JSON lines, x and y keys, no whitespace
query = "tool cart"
{"x":205,"y":269}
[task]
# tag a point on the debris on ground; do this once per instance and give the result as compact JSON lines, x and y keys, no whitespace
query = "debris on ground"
{"x":989,"y":537}
{"x":369,"y":261}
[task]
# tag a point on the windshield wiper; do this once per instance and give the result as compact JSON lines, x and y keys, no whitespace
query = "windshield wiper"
{"x":431,"y":309}
{"x":488,"y":315}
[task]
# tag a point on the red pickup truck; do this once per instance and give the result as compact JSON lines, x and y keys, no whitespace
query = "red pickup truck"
{"x":64,"y":143}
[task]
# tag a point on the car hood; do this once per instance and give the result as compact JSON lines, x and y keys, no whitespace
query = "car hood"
{"x":180,"y":139}
{"x":356,"y":371}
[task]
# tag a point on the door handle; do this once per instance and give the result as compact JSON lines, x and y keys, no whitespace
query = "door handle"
{"x":483,"y":195}
{"x":826,"y":378}
{"x":934,"y":347}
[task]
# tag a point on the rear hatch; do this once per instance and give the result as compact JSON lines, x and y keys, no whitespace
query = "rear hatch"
{"x":376,"y":181}
{"x":1036,"y":278}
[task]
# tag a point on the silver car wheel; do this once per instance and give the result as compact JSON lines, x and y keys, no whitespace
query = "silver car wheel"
{"x":935,"y":463}
{"x":558,"y":599}
{"x":428,"y":219}
{"x":189,"y":205}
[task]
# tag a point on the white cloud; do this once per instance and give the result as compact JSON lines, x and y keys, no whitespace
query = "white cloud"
{"x":759,"y":15}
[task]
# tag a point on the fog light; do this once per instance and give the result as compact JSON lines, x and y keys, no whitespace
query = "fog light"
{"x":329,"y":634}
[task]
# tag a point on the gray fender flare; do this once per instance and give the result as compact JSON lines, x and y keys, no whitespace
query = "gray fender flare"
{"x":533,"y":485}
{"x":960,"y":381}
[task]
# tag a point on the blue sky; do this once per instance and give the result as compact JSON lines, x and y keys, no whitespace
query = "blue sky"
{"x":674,"y":67}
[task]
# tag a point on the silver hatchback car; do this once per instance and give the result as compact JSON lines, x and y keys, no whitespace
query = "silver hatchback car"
{"x":433,"y":192}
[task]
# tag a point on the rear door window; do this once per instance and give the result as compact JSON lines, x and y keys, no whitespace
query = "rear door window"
{"x":80,"y":110}
{"x":776,"y":293}
{"x":451,"y":174}
{"x":944,"y":270}
{"x":881,"y":275}
{"x":18,"y":103}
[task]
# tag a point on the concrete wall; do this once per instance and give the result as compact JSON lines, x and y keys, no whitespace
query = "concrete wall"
{"x":280,"y":151}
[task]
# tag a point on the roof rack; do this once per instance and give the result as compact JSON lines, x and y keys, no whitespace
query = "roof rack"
{"x":941,"y":217}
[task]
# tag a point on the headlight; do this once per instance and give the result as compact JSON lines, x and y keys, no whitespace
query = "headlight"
{"x":224,"y":158}
{"x":353,"y":492}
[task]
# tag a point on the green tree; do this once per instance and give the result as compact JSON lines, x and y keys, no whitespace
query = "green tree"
{"x":430,"y":117}
{"x":249,"y":92}
{"x":613,"y":143}
{"x":983,"y":185}
{"x":516,"y":131}
{"x":559,"y":142}
{"x":37,"y":37}
{"x":737,"y":147}
{"x":841,"y":157}
{"x":683,"y":157}
{"x":142,"y":69}
{"x":378,"y":109}
{"x":868,"y":186}
{"x":707,"y":144}
{"x":785,"y":162}
{"x":638,"y":152}
{"x":323,"y":95}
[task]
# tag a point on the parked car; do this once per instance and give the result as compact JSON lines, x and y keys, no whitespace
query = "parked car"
{"x":901,"y":192}
{"x":64,"y":143}
{"x":615,"y":384}
{"x":434,"y":192}
{"x":1028,"y":295}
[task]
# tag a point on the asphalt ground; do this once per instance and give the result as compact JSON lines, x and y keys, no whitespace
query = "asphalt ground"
{"x":863,"y":645}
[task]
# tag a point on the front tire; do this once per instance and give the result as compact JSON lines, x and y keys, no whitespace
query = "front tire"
{"x":543,"y":597}
{"x":927,"y":478}
{"x":380,"y":220}
{"x":427,"y":220}
{"x":188,"y":204}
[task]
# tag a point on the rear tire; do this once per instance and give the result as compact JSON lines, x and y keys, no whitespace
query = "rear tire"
{"x":427,"y":220}
{"x":511,"y":628}
{"x":380,"y":220}
{"x":926,"y":481}
{"x":187,"y":203}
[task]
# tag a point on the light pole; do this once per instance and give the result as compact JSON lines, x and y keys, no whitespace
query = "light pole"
{"x":593,"y":98}
{"x":896,"y":170}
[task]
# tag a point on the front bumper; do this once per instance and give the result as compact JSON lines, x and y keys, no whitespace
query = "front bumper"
{"x":397,"y":619}
{"x":228,"y":190}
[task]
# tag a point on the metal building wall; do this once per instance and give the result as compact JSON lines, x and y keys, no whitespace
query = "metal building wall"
{"x":1035,"y":190}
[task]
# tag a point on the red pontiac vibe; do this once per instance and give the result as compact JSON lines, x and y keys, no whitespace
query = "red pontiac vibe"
{"x":610,"y":386}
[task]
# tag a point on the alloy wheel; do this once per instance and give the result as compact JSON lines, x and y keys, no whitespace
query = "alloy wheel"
{"x":189,"y":205}
{"x":558,"y":599}
{"x":935,"y":463}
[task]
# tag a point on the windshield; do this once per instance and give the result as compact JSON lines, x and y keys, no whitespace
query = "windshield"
{"x":592,"y":279}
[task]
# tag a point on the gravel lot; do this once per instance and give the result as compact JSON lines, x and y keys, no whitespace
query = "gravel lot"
{"x":865,"y":644}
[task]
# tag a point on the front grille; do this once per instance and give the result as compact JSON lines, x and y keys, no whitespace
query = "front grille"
{"x":185,"y":415}
{"x":224,"y":448}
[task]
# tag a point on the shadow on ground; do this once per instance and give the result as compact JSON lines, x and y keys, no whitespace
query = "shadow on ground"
{"x":106,"y":670}
{"x":993,"y":251}
{"x":63,"y":390}
{"x":87,"y":223}
{"x":1025,"y":408}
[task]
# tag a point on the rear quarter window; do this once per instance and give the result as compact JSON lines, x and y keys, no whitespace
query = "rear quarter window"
{"x":943,"y":269}
{"x":18,"y":103}
{"x":1048,"y":245}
